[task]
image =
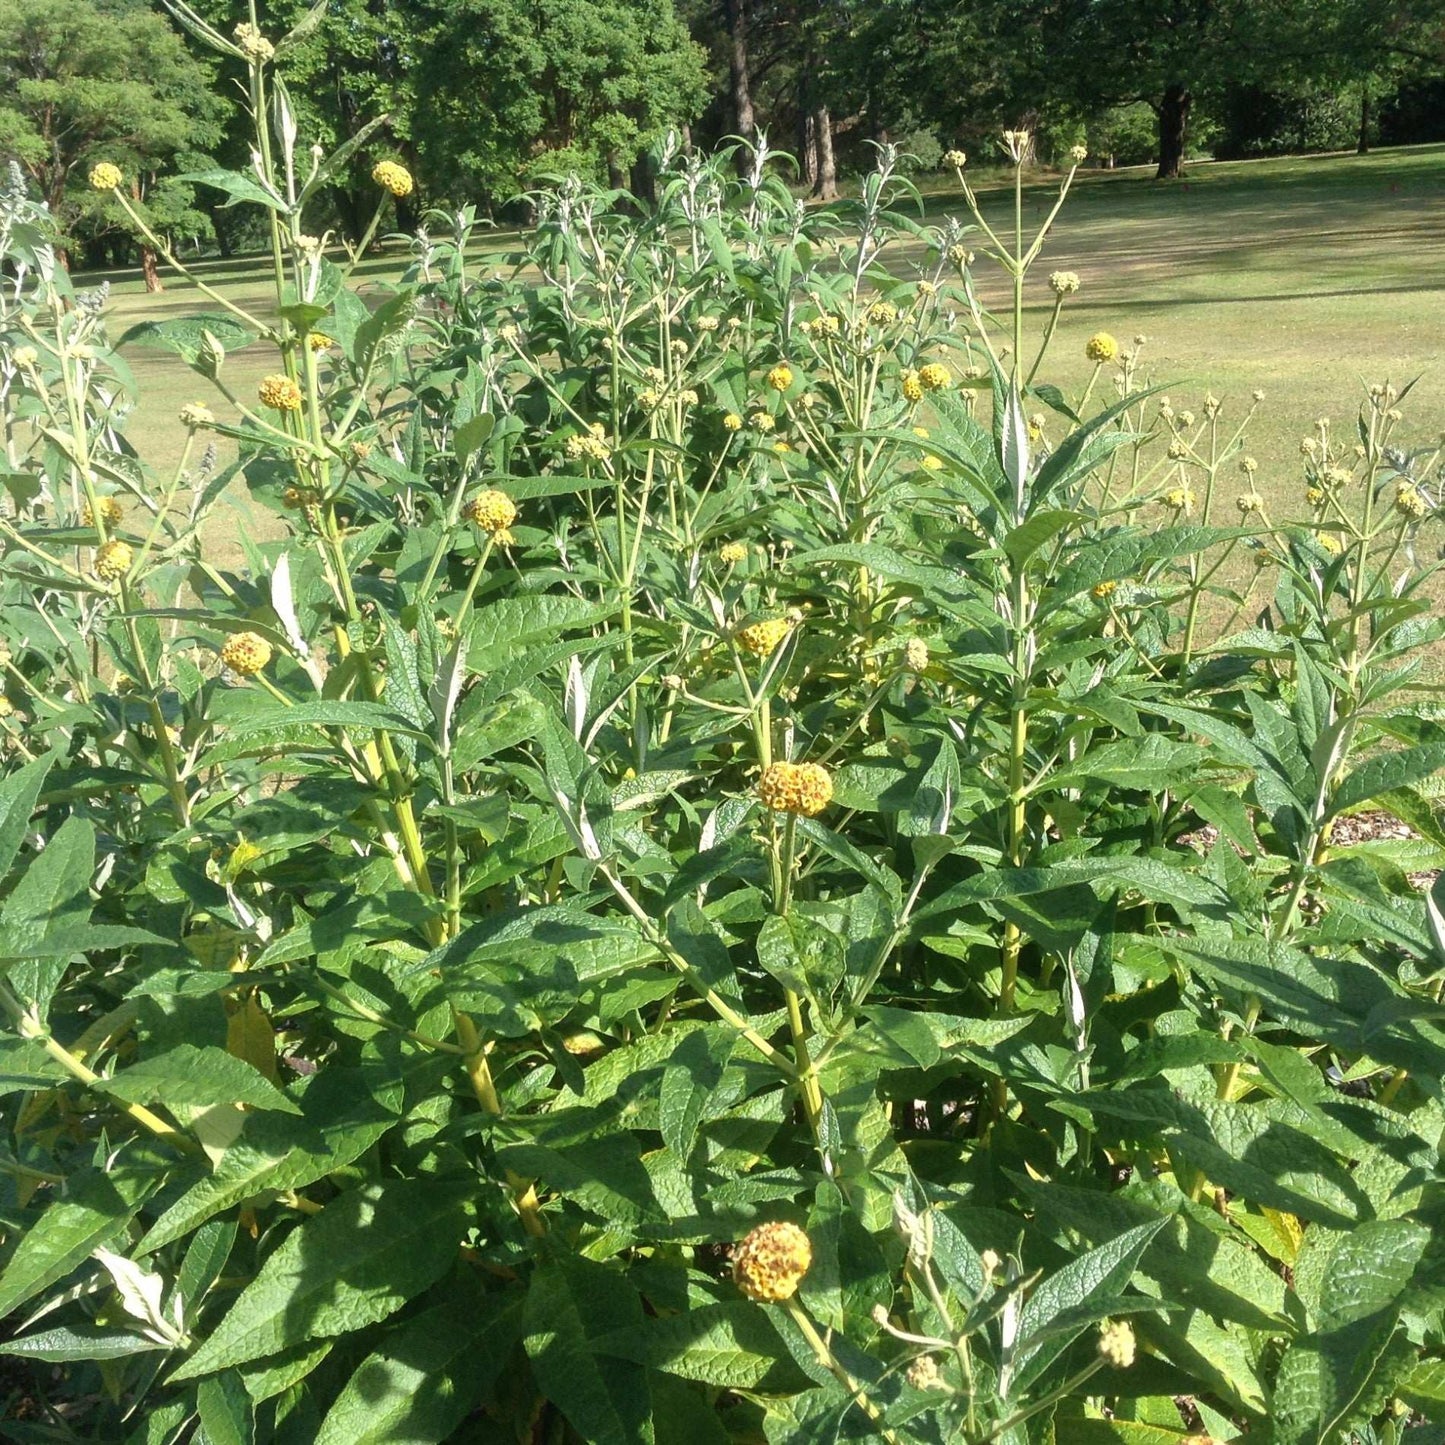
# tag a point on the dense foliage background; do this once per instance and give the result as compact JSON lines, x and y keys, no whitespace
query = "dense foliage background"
{"x":487,"y":97}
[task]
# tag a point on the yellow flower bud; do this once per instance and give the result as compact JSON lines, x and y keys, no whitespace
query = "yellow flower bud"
{"x":771,"y":1261}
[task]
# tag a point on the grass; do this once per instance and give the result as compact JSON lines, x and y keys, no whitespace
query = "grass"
{"x":1305,"y":278}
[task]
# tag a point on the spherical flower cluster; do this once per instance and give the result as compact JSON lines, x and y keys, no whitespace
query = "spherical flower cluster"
{"x":1178,"y":450}
{"x":762,"y":421}
{"x":1186,"y":419}
{"x":771,"y":1261}
{"x":881,"y":313}
{"x":1329,"y":542}
{"x":1249,"y":503}
{"x":912,"y":386}
{"x":1104,"y":589}
{"x":956,"y":159}
{"x":110,"y":511}
{"x":319,"y":341}
{"x":960,"y":255}
{"x":254,"y":45}
{"x":196,"y":415}
{"x":246,"y":653}
{"x":1116,"y":1344}
{"x":492,"y":511}
{"x":1248,"y":466}
{"x":706,"y":323}
{"x":1314,"y":495}
{"x":763,"y":638}
{"x":780,"y":378}
{"x":782,"y":447}
{"x":915,"y":654}
{"x":934,"y":376}
{"x":1181,"y":499}
{"x":1078,"y":154}
{"x":1409,"y":503}
{"x":731,"y":553}
{"x":25,"y":357}
{"x":733,"y":422}
{"x":1101,"y":347}
{"x":802,"y":788}
{"x":931,"y":463}
{"x":104,"y":176}
{"x":112,"y":561}
{"x":393,"y":177}
{"x":824,"y":325}
{"x":648,"y":399}
{"x":1064,"y":283}
{"x":299,"y":498}
{"x":280,"y":393}
{"x":1335,"y":476}
{"x":591,"y":445}
{"x":923,"y":1374}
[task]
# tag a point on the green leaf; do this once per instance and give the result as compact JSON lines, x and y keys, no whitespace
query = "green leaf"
{"x":574,"y":1304}
{"x":1386,"y":772}
{"x":83,"y":1342}
{"x":201,"y":1077}
{"x":428,"y":1375}
{"x":730,"y":1345}
{"x":1040,"y":529}
{"x":1057,"y":1312}
{"x":186,"y":335}
{"x":225,"y":1410}
{"x":238,"y":186}
{"x":95,"y":1209}
{"x":324,"y":714}
{"x":356,"y":1262}
{"x":18,"y":793}
{"x":349,"y":1111}
{"x":689,"y":1084}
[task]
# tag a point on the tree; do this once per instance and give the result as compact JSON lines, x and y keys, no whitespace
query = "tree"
{"x":80,"y":84}
{"x":508,"y":89}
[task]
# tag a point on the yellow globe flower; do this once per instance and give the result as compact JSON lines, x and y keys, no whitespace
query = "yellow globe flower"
{"x":1410,"y":504}
{"x":1101,"y":347}
{"x":934,"y":376}
{"x":1101,"y":590}
{"x":1064,"y":283}
{"x":932,"y":464}
{"x":394,"y":177}
{"x":771,"y":1261}
{"x":799,"y":788}
{"x":492,"y":511}
{"x":912,"y":386}
{"x":1181,"y":499}
{"x":196,"y":415}
{"x":915,"y":654}
{"x":1249,"y":503}
{"x":1329,"y":542}
{"x":762,"y":639}
{"x":110,"y":511}
{"x":882,"y":313}
{"x":104,"y":176}
{"x":762,"y":421}
{"x":1116,"y":1344}
{"x":112,"y":561}
{"x":320,"y":341}
{"x":733,"y":422}
{"x":731,"y":553}
{"x":246,"y":653}
{"x":780,"y":378}
{"x":280,"y":393}
{"x":955,"y":159}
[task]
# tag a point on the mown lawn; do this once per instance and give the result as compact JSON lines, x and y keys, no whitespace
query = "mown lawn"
{"x":1305,"y":278}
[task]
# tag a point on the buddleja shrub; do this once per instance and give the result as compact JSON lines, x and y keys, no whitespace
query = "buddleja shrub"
{"x":745,"y":869}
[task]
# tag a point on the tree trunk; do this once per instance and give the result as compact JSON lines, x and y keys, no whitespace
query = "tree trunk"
{"x":644,"y":179}
{"x":149,"y":269}
{"x":616,"y":178}
{"x":807,"y":144}
{"x":1362,"y":146}
{"x":825,"y":187}
{"x":744,"y":121}
{"x":1173,"y":130}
